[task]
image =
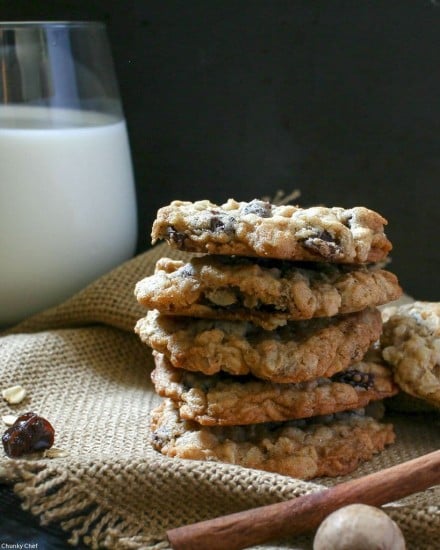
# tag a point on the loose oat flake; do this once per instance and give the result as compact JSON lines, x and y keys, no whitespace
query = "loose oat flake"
{"x":14,"y":394}
{"x":55,"y":453}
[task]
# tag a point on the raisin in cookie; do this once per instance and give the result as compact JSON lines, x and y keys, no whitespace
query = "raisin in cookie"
{"x":304,"y":449}
{"x":297,"y":352}
{"x":411,"y":345}
{"x":258,"y":228}
{"x":223,"y":399}
{"x":265,"y":292}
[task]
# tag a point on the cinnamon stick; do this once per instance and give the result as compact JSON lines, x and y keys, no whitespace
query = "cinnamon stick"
{"x":302,"y":514}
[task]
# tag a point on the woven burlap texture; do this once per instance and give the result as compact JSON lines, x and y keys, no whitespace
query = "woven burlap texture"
{"x":88,"y":373}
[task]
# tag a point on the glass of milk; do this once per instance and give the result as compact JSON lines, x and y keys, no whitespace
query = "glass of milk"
{"x":67,"y":194}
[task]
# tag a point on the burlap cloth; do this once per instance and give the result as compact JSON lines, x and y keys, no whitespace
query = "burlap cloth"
{"x":87,"y":372}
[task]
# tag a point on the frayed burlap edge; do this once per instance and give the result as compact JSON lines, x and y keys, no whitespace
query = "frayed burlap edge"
{"x":56,"y":498}
{"x":80,"y":514}
{"x":45,"y":493}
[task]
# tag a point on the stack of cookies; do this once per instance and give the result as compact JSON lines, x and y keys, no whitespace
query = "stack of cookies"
{"x":261,"y":336}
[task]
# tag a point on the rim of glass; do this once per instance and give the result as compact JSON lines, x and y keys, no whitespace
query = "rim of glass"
{"x":48,"y":23}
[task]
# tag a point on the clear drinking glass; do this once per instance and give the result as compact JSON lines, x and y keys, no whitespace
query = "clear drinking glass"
{"x":67,"y":194}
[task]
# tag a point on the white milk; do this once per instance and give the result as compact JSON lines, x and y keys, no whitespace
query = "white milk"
{"x":67,"y":204}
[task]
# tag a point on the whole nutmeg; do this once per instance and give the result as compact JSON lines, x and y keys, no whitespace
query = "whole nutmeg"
{"x":360,"y":527}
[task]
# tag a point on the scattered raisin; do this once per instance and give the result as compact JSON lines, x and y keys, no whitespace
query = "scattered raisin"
{"x":347,"y":221}
{"x":355,"y":378}
{"x":187,"y":271}
{"x":222,"y":223}
{"x":262,"y":209}
{"x":325,"y":236}
{"x":176,"y":237}
{"x":160,"y":437}
{"x":324,"y":244}
{"x":29,"y":433}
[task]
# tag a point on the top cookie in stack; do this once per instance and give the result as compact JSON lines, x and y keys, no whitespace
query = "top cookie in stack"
{"x":258,"y":228}
{"x":251,"y":330}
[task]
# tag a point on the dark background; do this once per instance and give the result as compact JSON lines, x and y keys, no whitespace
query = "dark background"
{"x":240,"y":98}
